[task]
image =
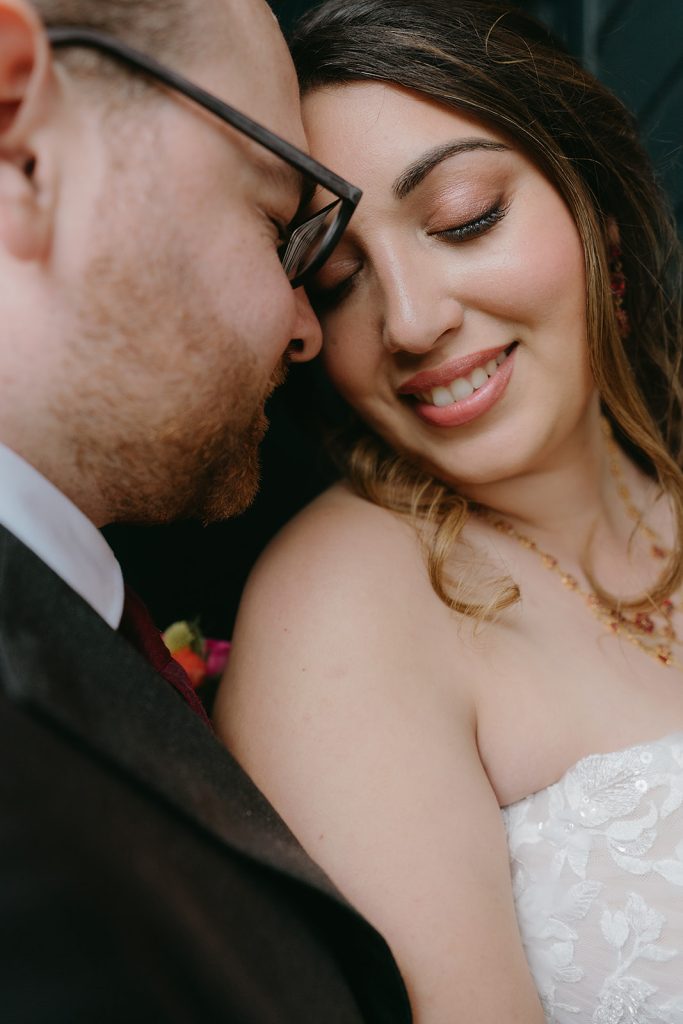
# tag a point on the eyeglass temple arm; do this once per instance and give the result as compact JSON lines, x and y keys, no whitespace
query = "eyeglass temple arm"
{"x":65,"y":35}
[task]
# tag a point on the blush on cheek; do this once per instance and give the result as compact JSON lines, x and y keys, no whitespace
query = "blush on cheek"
{"x":555,"y":263}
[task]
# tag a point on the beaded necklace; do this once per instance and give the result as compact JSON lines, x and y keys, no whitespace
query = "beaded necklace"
{"x":651,"y":631}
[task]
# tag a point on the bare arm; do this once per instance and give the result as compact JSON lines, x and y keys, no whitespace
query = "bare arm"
{"x":345,"y":703}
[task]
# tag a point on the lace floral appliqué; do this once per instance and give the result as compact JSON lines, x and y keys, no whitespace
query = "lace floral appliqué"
{"x":597,"y":870}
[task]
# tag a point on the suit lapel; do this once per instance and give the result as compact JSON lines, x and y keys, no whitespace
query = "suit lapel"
{"x":61,"y":659}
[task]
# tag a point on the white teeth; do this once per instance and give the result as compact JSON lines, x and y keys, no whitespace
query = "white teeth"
{"x":441,"y":397}
{"x":462,"y":387}
{"x":478,"y":377}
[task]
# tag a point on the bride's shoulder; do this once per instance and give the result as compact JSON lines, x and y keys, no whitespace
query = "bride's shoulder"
{"x":339,"y":604}
{"x":341,"y":511}
{"x":344,"y":540}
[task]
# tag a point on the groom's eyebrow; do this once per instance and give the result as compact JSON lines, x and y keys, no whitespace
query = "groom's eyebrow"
{"x":283,"y":175}
{"x":418,"y":170}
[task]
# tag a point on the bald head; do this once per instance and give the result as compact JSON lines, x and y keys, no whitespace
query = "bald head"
{"x":171,"y":30}
{"x":216,"y":42}
{"x":155,"y":25}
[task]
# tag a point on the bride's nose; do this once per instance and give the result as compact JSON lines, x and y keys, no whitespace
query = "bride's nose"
{"x":418,"y":307}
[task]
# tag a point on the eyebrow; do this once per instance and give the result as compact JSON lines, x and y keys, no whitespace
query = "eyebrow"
{"x":284,"y":175}
{"x":416,"y":172}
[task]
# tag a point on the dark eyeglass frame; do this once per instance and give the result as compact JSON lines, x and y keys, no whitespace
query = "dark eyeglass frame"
{"x":347,"y":195}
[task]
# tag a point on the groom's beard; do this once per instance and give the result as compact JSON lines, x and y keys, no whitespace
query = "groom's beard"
{"x":162,"y":405}
{"x":236,"y":463}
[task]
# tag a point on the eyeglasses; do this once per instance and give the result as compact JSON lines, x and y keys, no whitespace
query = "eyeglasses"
{"x":309,"y":242}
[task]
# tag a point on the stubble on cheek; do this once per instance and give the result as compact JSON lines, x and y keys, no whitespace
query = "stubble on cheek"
{"x":163,"y":402}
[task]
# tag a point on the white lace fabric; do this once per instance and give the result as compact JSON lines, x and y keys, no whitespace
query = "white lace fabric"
{"x":597,"y":870}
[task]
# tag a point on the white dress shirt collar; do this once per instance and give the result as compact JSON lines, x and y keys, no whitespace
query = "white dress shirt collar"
{"x":48,"y":523}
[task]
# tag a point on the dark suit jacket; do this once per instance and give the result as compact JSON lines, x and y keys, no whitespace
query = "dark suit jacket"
{"x":143,"y":877}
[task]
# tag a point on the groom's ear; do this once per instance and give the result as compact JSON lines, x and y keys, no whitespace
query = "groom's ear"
{"x":26,"y":84}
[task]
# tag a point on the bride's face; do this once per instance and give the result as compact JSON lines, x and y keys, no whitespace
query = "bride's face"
{"x":453,"y":310}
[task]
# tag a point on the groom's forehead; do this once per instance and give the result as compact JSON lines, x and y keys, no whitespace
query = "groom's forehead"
{"x":251,"y":68}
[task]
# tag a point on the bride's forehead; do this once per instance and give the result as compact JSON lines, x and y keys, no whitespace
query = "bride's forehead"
{"x":376,"y":128}
{"x":378,"y":106}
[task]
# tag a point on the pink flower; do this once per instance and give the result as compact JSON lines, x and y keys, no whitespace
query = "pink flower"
{"x":216,"y":653}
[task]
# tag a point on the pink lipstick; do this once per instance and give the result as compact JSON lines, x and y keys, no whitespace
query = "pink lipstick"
{"x":463,"y":409}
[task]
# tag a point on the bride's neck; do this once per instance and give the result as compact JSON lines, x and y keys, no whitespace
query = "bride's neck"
{"x":567,"y":497}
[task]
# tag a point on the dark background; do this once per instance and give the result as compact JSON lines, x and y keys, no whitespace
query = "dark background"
{"x":189,"y":571}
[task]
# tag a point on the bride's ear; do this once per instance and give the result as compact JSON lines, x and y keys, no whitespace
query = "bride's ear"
{"x":25,"y":85}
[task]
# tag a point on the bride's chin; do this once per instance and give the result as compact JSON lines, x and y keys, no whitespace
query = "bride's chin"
{"x":470,"y":474}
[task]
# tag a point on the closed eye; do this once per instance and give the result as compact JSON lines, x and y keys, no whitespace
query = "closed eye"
{"x":476,"y":227}
{"x":324,"y":297}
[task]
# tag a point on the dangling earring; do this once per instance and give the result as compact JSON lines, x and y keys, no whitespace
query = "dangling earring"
{"x":617,"y":284}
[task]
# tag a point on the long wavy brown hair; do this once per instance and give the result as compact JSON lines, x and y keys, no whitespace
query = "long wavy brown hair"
{"x":505,"y":69}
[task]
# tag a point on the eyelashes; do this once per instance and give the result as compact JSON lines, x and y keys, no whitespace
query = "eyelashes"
{"x":324,"y":299}
{"x":478,"y":226}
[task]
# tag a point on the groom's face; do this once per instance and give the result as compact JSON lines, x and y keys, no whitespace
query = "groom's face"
{"x":183,"y":314}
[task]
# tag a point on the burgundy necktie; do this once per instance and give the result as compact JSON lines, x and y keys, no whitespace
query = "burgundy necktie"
{"x":137,"y":627}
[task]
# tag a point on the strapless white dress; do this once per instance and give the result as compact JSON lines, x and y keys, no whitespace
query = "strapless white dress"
{"x":597,"y":869}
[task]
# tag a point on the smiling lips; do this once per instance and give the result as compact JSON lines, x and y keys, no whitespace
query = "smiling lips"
{"x":462,"y":389}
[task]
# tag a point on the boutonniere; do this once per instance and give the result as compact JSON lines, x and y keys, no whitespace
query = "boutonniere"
{"x":202,"y":657}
